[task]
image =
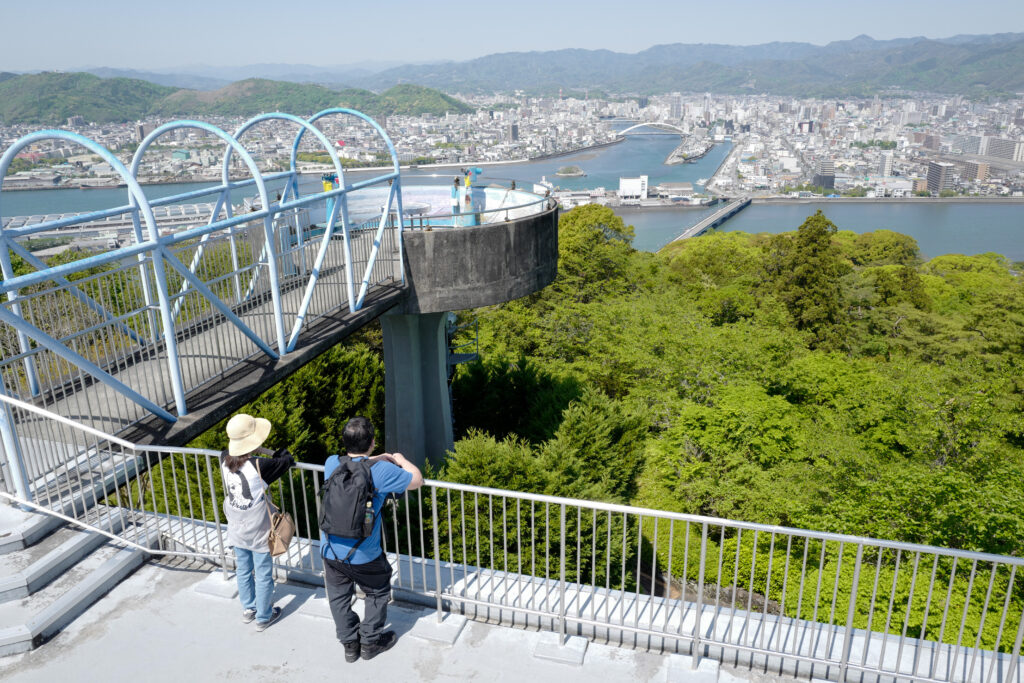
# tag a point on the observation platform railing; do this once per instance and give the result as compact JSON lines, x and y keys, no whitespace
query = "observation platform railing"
{"x":489,"y":204}
{"x":807,"y":603}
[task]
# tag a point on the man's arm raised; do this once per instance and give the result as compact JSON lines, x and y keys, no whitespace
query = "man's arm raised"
{"x":403,"y":462}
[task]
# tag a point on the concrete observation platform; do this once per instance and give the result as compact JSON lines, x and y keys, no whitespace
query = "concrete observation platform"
{"x":160,"y":625}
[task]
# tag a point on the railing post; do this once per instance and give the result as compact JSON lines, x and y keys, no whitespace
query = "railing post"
{"x":437,"y":550}
{"x":697,"y":647}
{"x":851,"y":610}
{"x":1015,"y":655}
{"x":12,"y":451}
{"x":561,"y":554}
{"x":216,"y":517}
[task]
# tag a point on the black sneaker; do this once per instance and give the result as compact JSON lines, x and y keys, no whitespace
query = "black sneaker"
{"x":274,"y":614}
{"x":384,"y":643}
{"x":352,"y":651}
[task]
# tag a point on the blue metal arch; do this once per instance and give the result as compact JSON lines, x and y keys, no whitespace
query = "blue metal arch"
{"x":14,"y":318}
{"x":395,"y":193}
{"x":303,"y":124}
{"x":157,"y":247}
{"x":188,"y":273}
{"x":358,"y":114}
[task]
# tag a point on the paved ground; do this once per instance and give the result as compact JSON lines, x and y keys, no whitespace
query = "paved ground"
{"x":156,"y":626}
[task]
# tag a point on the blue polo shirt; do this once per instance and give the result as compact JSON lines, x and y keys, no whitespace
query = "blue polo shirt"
{"x":387,"y":478}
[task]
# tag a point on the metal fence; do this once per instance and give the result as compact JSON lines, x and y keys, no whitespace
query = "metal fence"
{"x":114,"y":337}
{"x":810,"y":603}
{"x":494,"y":203}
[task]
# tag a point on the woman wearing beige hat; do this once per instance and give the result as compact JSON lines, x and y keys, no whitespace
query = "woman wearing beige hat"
{"x":246,"y":479}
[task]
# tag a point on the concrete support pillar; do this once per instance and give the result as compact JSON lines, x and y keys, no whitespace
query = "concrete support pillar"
{"x":417,"y":407}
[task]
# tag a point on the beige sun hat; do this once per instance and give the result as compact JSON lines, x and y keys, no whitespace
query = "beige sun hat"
{"x":246,"y":433}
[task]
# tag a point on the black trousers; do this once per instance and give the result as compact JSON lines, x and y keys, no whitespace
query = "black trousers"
{"x":374,"y":578}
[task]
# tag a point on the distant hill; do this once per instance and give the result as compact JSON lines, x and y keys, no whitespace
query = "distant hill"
{"x":171,"y":80}
{"x":50,"y":98}
{"x":862,"y":65}
{"x":248,"y":98}
{"x":252,"y":96}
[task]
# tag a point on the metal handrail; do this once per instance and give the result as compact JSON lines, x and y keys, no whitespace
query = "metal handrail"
{"x":586,"y":567}
{"x":160,"y":291}
{"x":120,"y":540}
{"x":453,"y":220}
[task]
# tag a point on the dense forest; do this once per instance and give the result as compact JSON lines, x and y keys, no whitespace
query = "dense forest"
{"x":818,"y":379}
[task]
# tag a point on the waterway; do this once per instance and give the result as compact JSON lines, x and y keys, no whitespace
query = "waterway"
{"x":939,"y":228}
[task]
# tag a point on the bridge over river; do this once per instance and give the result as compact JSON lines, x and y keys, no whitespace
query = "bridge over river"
{"x":728,"y":210}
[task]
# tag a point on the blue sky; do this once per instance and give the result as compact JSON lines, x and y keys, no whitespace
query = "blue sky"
{"x":64,"y":34}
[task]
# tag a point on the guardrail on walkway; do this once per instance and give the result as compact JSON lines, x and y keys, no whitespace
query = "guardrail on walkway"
{"x":115,"y":337}
{"x":813,"y":603}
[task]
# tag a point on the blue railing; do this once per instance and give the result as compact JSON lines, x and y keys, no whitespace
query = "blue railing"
{"x":114,"y":337}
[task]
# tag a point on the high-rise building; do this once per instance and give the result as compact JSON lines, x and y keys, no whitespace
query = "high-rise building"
{"x":513,"y":132}
{"x":826,"y":175}
{"x":885,"y":164}
{"x":968,"y":144}
{"x":974,"y":170}
{"x":1003,"y":148}
{"x":940,"y":176}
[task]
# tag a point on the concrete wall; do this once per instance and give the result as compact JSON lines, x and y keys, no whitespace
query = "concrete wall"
{"x":418,"y":416}
{"x":450,"y":269}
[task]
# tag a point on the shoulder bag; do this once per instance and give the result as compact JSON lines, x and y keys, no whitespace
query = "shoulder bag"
{"x":282,"y":526}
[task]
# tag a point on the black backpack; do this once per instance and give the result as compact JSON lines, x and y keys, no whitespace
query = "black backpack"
{"x":346,"y":508}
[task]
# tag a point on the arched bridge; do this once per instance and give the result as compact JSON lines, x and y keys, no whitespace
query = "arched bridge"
{"x":161,"y":339}
{"x":657,"y":125}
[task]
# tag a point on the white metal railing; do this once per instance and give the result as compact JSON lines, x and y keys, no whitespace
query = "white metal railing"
{"x":680,"y":582}
{"x":491,"y":204}
{"x":113,"y":338}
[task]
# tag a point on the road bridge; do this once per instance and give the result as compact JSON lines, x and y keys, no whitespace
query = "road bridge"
{"x":728,"y":210}
{"x":665,"y":128}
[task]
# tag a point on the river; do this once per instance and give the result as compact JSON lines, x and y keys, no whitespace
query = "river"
{"x":939,"y":228}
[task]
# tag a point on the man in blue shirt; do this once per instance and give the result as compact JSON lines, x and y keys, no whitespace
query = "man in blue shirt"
{"x":367,"y":567}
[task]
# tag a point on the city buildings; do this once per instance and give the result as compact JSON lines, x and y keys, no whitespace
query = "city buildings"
{"x":858,"y":146}
{"x":940,"y":176}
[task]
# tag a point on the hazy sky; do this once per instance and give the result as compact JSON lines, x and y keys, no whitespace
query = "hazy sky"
{"x":141,"y":34}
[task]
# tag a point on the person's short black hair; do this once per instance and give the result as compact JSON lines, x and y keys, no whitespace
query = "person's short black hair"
{"x":358,"y":435}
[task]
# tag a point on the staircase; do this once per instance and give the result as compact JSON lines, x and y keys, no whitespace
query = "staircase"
{"x":50,"y":573}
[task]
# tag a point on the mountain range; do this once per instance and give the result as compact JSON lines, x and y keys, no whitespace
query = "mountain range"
{"x":52,"y":97}
{"x":961,"y":64}
{"x":972,"y":65}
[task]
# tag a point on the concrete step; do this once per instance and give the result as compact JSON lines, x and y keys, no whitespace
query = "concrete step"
{"x":20,"y":529}
{"x":27,"y":571}
{"x":27,"y":622}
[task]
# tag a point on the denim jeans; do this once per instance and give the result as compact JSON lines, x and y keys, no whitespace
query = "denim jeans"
{"x":255,"y":575}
